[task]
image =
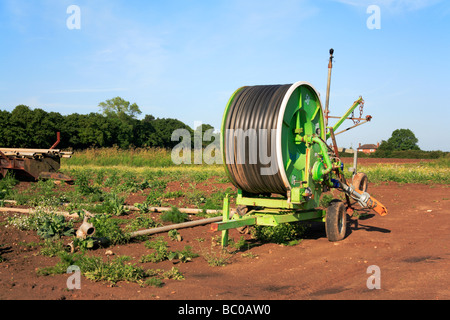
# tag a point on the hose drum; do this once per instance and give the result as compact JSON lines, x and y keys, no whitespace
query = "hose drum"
{"x":263,"y":133}
{"x":250,"y":139}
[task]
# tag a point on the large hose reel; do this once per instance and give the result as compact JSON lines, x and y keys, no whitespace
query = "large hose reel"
{"x":265,"y":132}
{"x":273,"y":142}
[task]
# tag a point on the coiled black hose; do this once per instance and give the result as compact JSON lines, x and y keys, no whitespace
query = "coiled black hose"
{"x":253,"y":109}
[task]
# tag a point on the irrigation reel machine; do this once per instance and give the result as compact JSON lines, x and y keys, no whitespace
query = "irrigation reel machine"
{"x":275,"y":151}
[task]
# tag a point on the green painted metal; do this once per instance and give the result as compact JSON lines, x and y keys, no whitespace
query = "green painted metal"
{"x":349,"y":111}
{"x":266,"y":217}
{"x":277,"y":219}
{"x":302,"y":117}
{"x":225,"y":218}
{"x":269,"y":202}
{"x":233,"y":224}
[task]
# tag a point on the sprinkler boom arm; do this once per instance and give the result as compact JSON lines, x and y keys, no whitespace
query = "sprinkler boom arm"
{"x":358,"y":102}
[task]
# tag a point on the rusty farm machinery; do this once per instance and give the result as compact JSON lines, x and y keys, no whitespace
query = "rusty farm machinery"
{"x":34,"y":163}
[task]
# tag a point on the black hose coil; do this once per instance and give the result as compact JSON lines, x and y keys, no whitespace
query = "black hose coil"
{"x":253,"y":108}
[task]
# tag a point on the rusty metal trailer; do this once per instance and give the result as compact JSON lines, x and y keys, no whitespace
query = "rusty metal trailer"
{"x":34,"y":163}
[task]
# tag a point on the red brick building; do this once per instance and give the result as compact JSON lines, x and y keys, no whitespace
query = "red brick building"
{"x":368,"y":148}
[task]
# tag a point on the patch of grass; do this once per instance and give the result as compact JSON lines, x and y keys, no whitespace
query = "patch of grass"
{"x":154,"y":282}
{"x":95,"y":269}
{"x":174,"y":235}
{"x":173,"y":194}
{"x":51,"y":248}
{"x":215,"y":200}
{"x":174,"y":215}
{"x":108,"y":227}
{"x":7,"y":183}
{"x":195,"y":196}
{"x":325,"y":200}
{"x":139,"y":157}
{"x":142,"y":221}
{"x":111,"y":203}
{"x":285,"y":233}
{"x":216,"y":257}
{"x":437,"y":171}
{"x":174,"y":274}
{"x":241,"y":243}
{"x":111,"y":271}
{"x":249,"y":254}
{"x":83,"y":184}
{"x":155,"y":197}
{"x":54,"y":226}
{"x":184,"y":255}
{"x":161,"y":252}
{"x":46,"y":223}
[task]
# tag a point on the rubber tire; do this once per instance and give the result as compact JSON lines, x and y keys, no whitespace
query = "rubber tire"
{"x":336,"y":221}
{"x":360,"y":182}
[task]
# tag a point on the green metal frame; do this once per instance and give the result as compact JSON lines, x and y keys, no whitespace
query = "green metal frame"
{"x":349,"y":111}
{"x":264,"y":215}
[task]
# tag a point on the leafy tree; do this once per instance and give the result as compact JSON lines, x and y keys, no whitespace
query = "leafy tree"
{"x":146,"y":133}
{"x":117,"y":125}
{"x":165,"y":128}
{"x":120,"y":108}
{"x":4,"y":127}
{"x":402,"y":139}
{"x":126,"y":113}
{"x":18,"y":130}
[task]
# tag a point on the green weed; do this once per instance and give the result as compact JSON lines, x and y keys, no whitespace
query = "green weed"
{"x":281,"y":234}
{"x":108,"y":227}
{"x":174,"y":215}
{"x":161,"y":252}
{"x":142,"y":221}
{"x":7,"y":183}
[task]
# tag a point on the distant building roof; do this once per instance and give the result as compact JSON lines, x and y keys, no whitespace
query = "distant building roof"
{"x":368,"y":146}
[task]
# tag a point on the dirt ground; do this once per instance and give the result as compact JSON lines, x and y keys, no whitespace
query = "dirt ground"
{"x":410,"y":246}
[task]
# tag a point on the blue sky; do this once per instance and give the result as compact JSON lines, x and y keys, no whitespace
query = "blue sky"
{"x":183,"y":59}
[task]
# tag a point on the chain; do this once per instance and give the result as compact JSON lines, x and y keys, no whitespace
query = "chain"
{"x":361,"y":110}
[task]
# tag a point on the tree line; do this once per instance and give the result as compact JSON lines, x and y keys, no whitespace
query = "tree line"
{"x":116,"y":125}
{"x":401,"y":144}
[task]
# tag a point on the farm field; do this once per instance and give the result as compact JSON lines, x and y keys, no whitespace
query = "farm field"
{"x":410,"y":245}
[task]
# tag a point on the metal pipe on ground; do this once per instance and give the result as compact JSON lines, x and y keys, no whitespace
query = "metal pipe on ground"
{"x":175,"y":226}
{"x":19,"y":210}
{"x":182,"y":210}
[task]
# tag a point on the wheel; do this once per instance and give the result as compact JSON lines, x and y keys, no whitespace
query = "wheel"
{"x":360,"y":181}
{"x":336,"y":221}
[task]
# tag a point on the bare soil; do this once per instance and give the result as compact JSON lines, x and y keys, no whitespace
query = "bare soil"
{"x":410,"y":246}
